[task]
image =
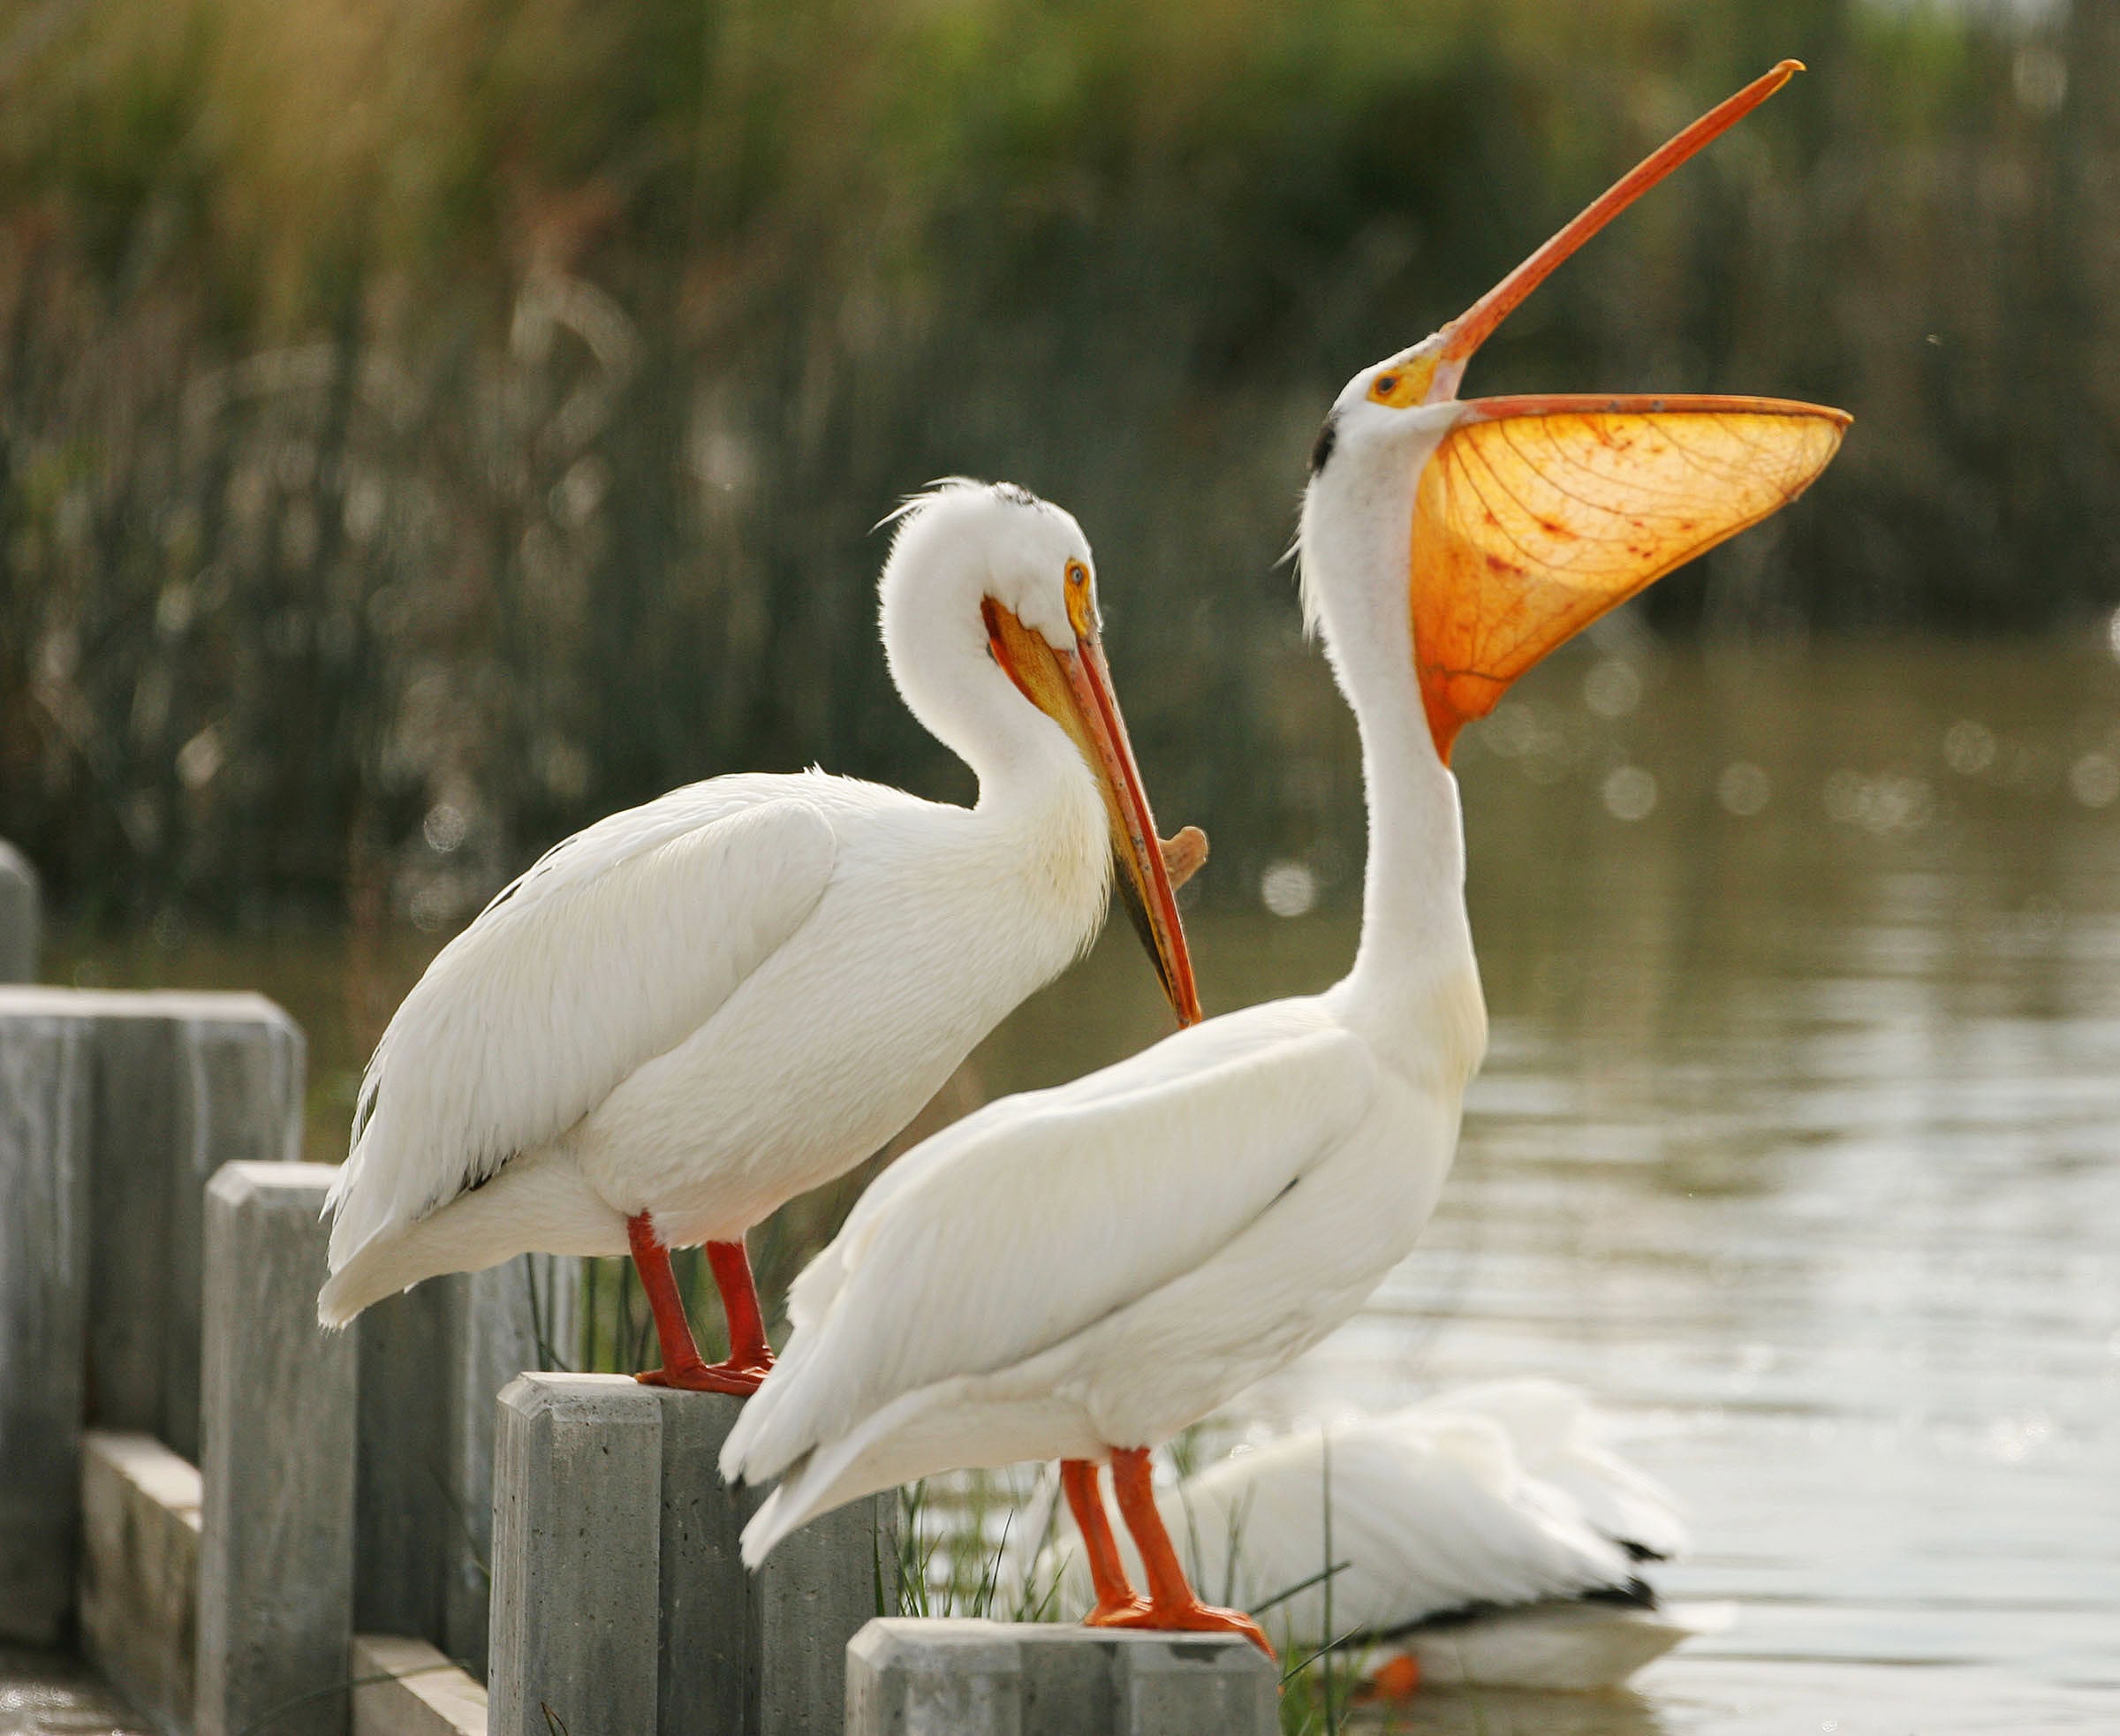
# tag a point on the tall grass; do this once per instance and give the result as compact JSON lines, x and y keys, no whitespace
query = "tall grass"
{"x":425,"y":426}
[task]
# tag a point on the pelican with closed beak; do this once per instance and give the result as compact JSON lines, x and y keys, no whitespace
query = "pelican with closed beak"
{"x":697,"y":1009}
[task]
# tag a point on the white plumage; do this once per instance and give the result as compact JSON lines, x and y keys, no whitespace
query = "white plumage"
{"x":1488,"y":1533}
{"x":1081,"y":1272}
{"x":1096,"y":1266}
{"x":700,"y":1007}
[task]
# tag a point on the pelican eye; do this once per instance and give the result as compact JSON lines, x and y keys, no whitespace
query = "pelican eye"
{"x":1402,"y":387}
{"x":1082,"y":610}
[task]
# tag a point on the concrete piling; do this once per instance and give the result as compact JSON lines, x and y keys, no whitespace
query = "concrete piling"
{"x":45,"y":1079}
{"x":18,"y":916}
{"x":576,"y":1537}
{"x":184,"y":1083}
{"x":139,"y":1589}
{"x":438,"y":1356}
{"x":912,"y":1678}
{"x":761,"y":1654}
{"x":729,"y":1653}
{"x":114,"y":1107}
{"x":277,"y":1413}
{"x":814,"y":1593}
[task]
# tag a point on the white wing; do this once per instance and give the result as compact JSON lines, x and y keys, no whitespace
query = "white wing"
{"x":1013,"y":1230}
{"x":1427,"y":1519}
{"x":616,"y":946}
{"x":1560,"y":1438}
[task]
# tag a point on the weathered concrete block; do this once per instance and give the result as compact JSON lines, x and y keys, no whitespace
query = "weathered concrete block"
{"x":45,"y":1080}
{"x":139,"y":1573}
{"x":238,"y":1066}
{"x":179,"y":1084}
{"x":707,"y":1681}
{"x":442,"y":1353}
{"x":815,"y":1593}
{"x":114,"y":1109}
{"x":278,"y":1417}
{"x":577,"y":1540}
{"x":911,"y":1678}
{"x":907,"y":1677}
{"x":20,"y":916}
{"x":408,"y":1688}
{"x":763,"y":1654}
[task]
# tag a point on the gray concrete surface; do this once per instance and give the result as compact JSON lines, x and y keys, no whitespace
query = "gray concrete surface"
{"x":184,"y":1083}
{"x":20,"y":917}
{"x":917,"y":1677}
{"x":178,"y":1083}
{"x":442,"y":1353}
{"x":277,"y":1413}
{"x":48,"y":1693}
{"x":760,"y":1654}
{"x":138,"y":1590}
{"x":815,"y":1593}
{"x":576,"y":1538}
{"x":408,"y":1688}
{"x":618,"y":1559}
{"x":46,"y":1075}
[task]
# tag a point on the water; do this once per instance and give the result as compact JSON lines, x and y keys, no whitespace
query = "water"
{"x":1799,"y":1145}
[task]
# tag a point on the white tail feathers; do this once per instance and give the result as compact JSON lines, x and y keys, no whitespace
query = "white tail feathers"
{"x":537,"y":1204}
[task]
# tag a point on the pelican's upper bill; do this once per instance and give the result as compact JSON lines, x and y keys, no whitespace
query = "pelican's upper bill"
{"x":1531,"y":516}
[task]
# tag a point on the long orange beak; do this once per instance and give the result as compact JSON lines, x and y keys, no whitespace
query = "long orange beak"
{"x":1073,"y":688}
{"x":1535,"y":515}
{"x":1474,"y":326}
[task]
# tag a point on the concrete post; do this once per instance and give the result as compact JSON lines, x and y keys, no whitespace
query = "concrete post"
{"x":728,"y":1652}
{"x":45,"y":1079}
{"x":815,"y":1593}
{"x":114,"y":1109}
{"x":577,"y":1529}
{"x":441,"y":1354}
{"x":277,"y":1411}
{"x":711,"y":1620}
{"x":236,"y":1079}
{"x":138,"y":1587}
{"x":758,"y":1654}
{"x":18,"y":916}
{"x":908,"y":1678}
{"x":183,"y":1084}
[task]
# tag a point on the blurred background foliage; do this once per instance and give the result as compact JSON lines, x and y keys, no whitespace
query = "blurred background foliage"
{"x":427,"y":424}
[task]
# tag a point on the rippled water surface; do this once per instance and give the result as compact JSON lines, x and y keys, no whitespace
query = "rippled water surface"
{"x":1799,"y":1145}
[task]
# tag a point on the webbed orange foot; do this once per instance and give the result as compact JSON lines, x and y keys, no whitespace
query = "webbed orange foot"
{"x":1194,"y":1619}
{"x":741,"y":1378}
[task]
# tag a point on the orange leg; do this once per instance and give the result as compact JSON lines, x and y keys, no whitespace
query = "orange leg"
{"x":1106,"y":1572}
{"x":1396,"y":1681}
{"x":1171,"y":1601}
{"x":749,"y":1355}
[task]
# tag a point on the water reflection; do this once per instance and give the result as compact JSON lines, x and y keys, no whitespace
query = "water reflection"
{"x":1797,"y":1145}
{"x":1445,"y":1711}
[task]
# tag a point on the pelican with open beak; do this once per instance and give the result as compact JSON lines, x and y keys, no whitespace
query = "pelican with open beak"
{"x":697,"y":1009}
{"x":1080,"y":1273}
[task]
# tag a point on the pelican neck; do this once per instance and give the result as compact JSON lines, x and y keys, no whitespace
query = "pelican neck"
{"x":1415,"y":957}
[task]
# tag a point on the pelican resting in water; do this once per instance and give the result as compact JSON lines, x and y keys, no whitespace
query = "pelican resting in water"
{"x":1081,"y":1272}
{"x":1487,"y":1536}
{"x":696,"y":1009}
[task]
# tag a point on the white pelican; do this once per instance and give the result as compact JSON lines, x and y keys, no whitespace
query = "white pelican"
{"x":1081,"y":1272}
{"x":1485,"y":1537}
{"x":696,"y":1009}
